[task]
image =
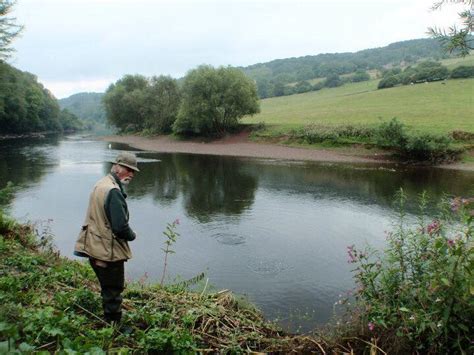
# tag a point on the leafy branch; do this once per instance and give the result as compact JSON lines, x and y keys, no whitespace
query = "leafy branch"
{"x":171,"y":236}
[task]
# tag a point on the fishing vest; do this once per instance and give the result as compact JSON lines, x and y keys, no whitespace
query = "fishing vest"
{"x":96,"y":238}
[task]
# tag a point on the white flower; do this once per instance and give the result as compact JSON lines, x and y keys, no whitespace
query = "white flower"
{"x":412,"y":318}
{"x":438,"y":300}
{"x":439,"y":325}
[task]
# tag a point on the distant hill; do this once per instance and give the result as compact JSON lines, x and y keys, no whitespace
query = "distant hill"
{"x":86,"y":105}
{"x":279,"y":77}
{"x":271,"y":77}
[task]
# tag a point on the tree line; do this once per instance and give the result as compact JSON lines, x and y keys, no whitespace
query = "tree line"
{"x":26,"y":106}
{"x":426,"y":71}
{"x":275,"y":78}
{"x":87,"y":106}
{"x":209,"y":102}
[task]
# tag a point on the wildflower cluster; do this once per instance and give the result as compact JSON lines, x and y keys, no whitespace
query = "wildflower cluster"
{"x":417,"y":293}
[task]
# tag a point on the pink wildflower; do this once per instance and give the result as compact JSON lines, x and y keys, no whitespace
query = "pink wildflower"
{"x":371,"y":326}
{"x":450,"y":242}
{"x":433,"y":227}
{"x":352,"y":253}
{"x":176,"y":221}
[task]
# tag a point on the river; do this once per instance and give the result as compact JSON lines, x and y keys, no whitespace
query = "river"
{"x":273,"y":231}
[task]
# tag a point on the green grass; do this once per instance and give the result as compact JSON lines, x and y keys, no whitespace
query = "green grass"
{"x":52,"y":304}
{"x":452,"y":63}
{"x":433,"y":108}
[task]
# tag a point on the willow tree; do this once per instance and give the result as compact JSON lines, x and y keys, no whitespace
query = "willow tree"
{"x":214,"y":100}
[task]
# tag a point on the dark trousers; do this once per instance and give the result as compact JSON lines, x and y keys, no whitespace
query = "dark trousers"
{"x":111,"y":279}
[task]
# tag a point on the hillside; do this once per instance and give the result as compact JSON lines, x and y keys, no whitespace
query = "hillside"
{"x":271,"y":77}
{"x":86,"y":105}
{"x":277,"y":74}
{"x":437,"y":107}
{"x":26,"y":106}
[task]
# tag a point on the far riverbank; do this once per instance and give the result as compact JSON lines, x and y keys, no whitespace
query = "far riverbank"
{"x":240,"y":146}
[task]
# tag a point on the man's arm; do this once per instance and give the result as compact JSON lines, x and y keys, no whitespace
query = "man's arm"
{"x":116,"y":211}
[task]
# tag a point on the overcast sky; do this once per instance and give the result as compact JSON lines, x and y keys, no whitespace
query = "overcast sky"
{"x":84,"y":45}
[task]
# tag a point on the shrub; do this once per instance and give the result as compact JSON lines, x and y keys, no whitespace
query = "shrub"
{"x":427,"y":147}
{"x":463,"y":71}
{"x":391,"y":134}
{"x":332,"y":81}
{"x":416,"y":294}
{"x":421,"y":147}
{"x":312,"y":134}
{"x":360,"y":75}
{"x":388,"y":82}
{"x":303,"y":86}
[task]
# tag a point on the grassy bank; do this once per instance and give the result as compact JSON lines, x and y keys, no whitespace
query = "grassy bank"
{"x":437,"y":107}
{"x":413,"y":297}
{"x":352,"y":115}
{"x":50,"y":303}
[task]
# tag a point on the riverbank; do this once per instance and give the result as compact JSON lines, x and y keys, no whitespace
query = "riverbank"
{"x":51,"y":303}
{"x":240,"y":145}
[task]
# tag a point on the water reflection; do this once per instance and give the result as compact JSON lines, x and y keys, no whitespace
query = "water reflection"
{"x":364,"y":183}
{"x":275,"y":231}
{"x":24,"y":162}
{"x":209,"y":185}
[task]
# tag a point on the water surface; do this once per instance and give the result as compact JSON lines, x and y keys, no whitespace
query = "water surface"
{"x":275,"y":231}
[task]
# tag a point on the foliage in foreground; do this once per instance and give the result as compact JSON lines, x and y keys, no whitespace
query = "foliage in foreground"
{"x":414,"y":297}
{"x":418,"y":294}
{"x":49,"y":303}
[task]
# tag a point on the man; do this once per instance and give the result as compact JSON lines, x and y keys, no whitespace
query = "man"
{"x":105,"y":234}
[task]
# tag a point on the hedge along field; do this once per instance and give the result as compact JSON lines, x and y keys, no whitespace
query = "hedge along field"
{"x":436,"y":107}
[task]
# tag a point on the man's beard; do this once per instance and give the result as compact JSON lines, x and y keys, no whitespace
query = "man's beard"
{"x":125,"y":181}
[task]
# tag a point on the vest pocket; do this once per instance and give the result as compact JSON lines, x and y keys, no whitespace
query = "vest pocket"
{"x":99,"y":247}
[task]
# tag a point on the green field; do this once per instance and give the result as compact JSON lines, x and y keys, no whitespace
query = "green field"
{"x":437,"y":107}
{"x":452,"y":63}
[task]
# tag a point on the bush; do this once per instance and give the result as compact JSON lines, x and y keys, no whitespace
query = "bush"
{"x":421,"y":147}
{"x":388,"y":82}
{"x":463,"y":71}
{"x":332,"y":81}
{"x":318,"y":134}
{"x":415,"y":296}
{"x":360,"y":75}
{"x":391,"y":134}
{"x":303,"y":86}
{"x":427,"y":147}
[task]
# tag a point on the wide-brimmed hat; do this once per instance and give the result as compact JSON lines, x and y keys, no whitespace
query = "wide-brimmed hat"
{"x":128,"y":160}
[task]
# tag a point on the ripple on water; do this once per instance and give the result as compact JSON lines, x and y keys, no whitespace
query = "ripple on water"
{"x":229,"y":238}
{"x":267,"y":266}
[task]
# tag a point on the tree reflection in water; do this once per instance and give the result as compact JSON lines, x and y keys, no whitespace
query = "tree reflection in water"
{"x":209,"y":185}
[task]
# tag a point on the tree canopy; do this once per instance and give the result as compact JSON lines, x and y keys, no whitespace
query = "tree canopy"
{"x":9,"y":30}
{"x":26,"y":106}
{"x":214,"y":99}
{"x":275,"y":78}
{"x":135,"y":103}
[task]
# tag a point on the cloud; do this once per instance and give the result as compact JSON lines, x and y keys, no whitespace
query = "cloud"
{"x":85,"y":41}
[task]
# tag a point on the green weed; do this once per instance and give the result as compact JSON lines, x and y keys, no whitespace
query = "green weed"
{"x":416,"y":295}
